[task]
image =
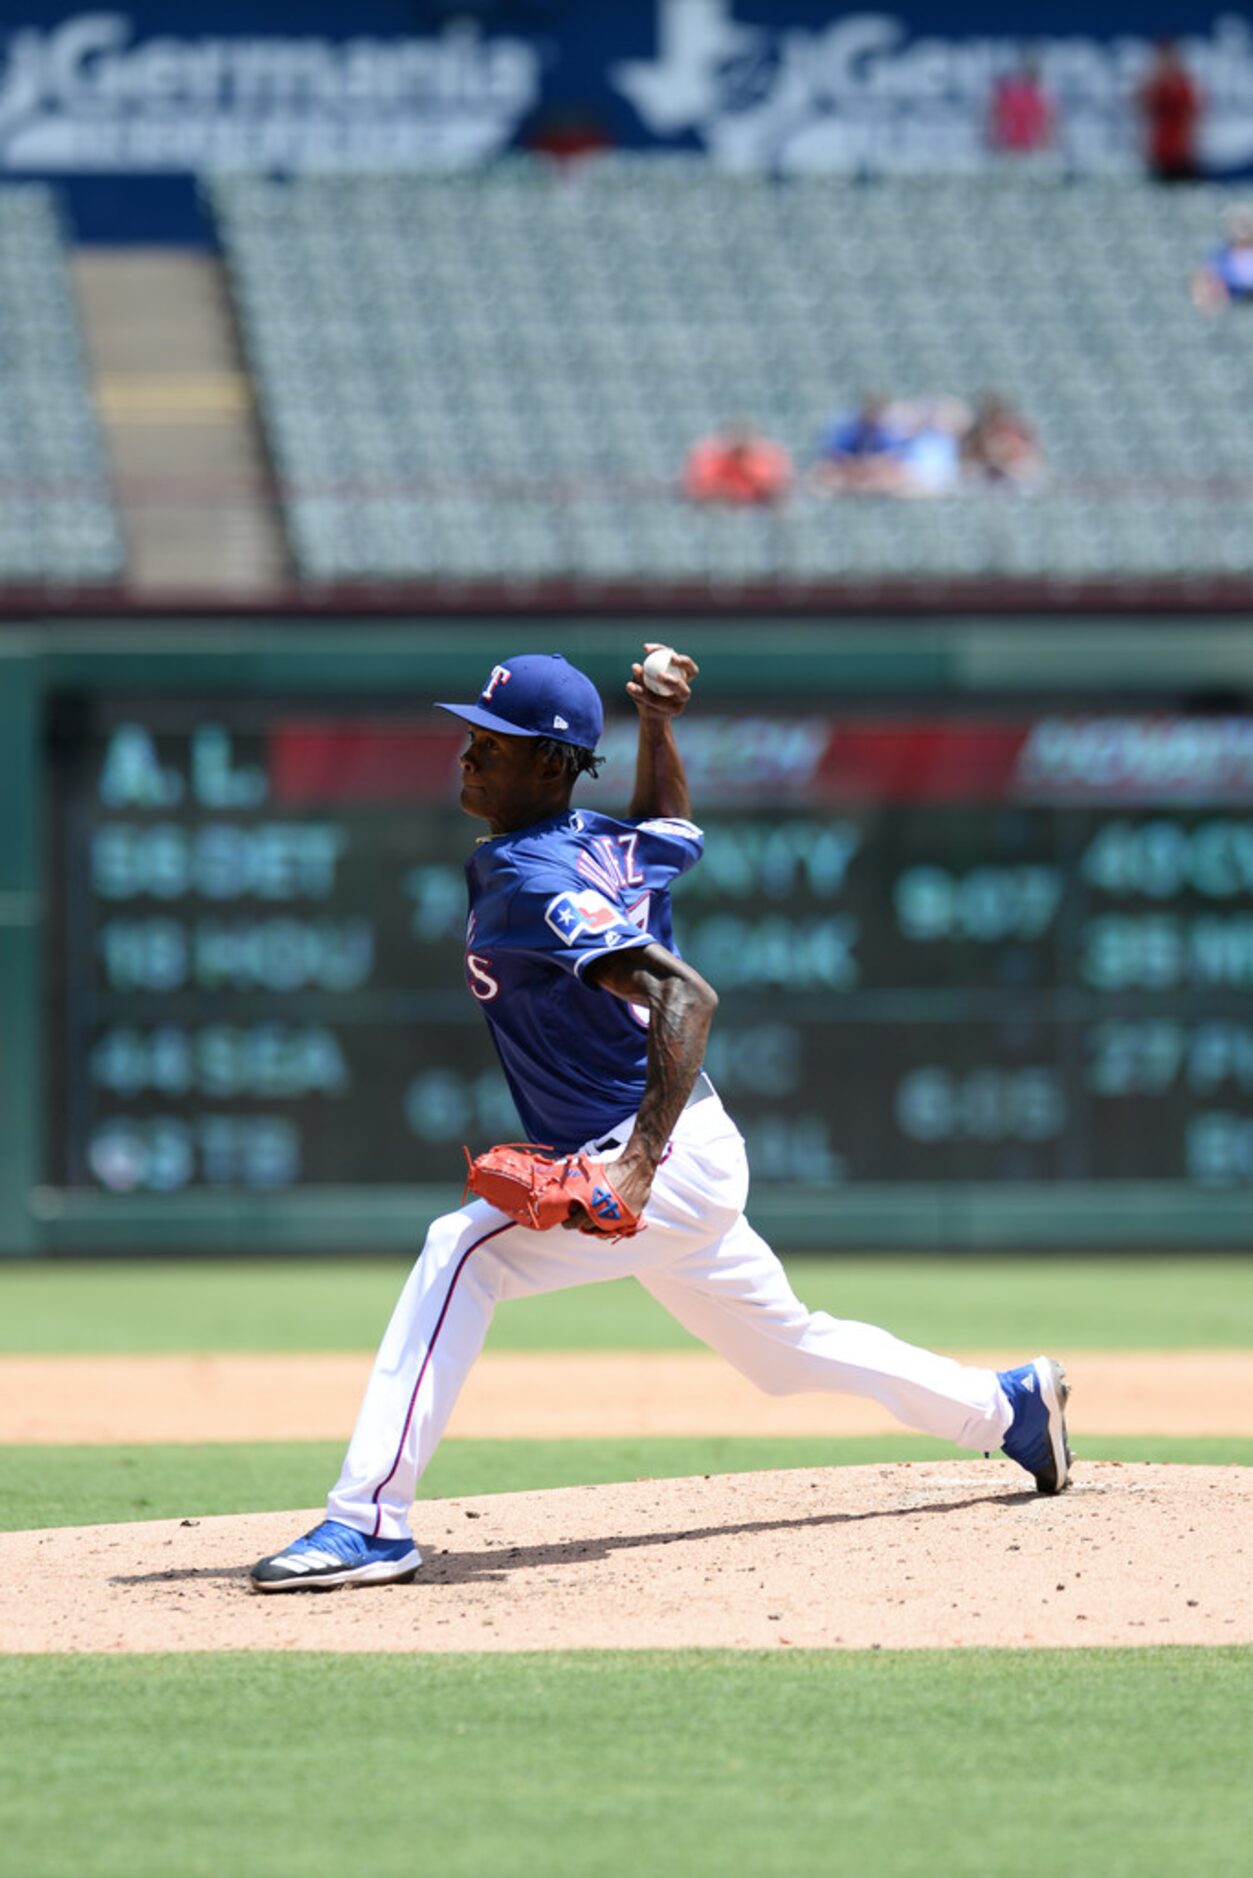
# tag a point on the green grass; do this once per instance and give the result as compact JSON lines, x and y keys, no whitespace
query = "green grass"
{"x":97,"y":1486}
{"x":1015,"y":1305}
{"x":594,"y":1765}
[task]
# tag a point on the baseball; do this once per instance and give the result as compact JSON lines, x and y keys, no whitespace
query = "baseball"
{"x":659,"y":671}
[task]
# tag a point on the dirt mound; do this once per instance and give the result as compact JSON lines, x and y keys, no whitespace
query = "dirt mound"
{"x":915,"y":1556}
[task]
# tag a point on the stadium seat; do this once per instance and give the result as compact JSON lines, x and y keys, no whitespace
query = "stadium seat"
{"x":57,"y":522}
{"x":498,"y":374}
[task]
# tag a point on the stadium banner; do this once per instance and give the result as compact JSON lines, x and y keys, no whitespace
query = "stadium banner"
{"x":104,"y":98}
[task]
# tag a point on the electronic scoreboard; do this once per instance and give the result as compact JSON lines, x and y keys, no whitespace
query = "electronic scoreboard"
{"x":985,"y":947}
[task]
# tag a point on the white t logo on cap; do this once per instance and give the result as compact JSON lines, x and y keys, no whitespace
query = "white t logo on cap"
{"x":500,"y":676}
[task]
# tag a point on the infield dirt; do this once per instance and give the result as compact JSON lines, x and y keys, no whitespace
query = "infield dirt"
{"x":560,"y":1395}
{"x":922,"y":1555}
{"x":929,"y":1555}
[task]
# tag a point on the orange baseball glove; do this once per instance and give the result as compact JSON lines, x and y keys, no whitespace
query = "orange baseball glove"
{"x":540,"y":1192}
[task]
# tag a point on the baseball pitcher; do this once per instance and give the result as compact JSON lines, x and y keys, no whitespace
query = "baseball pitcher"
{"x":601,"y":1029}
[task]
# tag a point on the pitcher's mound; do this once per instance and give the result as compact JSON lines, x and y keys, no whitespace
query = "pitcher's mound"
{"x":917,"y":1556}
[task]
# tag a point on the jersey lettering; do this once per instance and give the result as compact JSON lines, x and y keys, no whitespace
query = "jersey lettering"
{"x":614,"y":865}
{"x":602,"y":867}
{"x":633,"y":872}
{"x":638,"y":914}
{"x":479,"y":978}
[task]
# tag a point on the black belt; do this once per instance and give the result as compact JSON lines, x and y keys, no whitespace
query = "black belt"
{"x":702,"y":1088}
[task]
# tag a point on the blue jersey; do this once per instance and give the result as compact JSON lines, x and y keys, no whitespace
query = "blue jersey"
{"x":544,"y":902}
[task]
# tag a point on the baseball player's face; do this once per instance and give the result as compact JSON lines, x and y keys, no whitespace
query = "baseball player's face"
{"x":501,"y":781}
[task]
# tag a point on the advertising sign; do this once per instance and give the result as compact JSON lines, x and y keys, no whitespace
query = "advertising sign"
{"x":91,"y":93}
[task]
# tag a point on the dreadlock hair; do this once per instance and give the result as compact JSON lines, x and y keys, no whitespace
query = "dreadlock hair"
{"x":573,"y":758}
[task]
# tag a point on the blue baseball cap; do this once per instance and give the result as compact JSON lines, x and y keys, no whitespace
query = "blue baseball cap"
{"x":538,"y":694}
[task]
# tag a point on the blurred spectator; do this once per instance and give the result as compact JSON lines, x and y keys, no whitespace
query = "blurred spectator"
{"x":931,"y":457}
{"x":566,"y":132}
{"x":1022,"y":117}
{"x":1170,"y":105}
{"x":999,"y":445}
{"x":863,"y":450}
{"x":903,"y":448}
{"x":1227,"y":276}
{"x":737,"y":465}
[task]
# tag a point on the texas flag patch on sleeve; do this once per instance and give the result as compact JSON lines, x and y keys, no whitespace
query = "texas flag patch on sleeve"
{"x":572,"y":914}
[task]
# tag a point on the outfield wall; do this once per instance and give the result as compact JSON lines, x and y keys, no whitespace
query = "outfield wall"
{"x":978,"y":897}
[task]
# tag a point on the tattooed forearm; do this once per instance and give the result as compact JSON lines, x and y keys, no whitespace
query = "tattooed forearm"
{"x":681,"y":1007}
{"x":677,"y":1035}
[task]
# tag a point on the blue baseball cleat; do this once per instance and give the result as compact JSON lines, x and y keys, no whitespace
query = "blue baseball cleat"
{"x":1036,"y":1437}
{"x":335,"y":1554}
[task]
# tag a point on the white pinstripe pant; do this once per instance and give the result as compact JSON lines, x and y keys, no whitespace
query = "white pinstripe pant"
{"x":699,"y":1257}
